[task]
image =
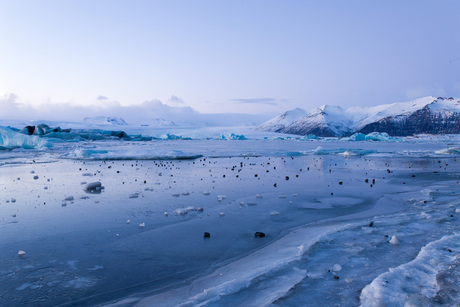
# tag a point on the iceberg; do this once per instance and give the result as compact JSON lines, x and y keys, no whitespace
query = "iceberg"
{"x":233,"y":136}
{"x":13,"y":139}
{"x":373,"y":136}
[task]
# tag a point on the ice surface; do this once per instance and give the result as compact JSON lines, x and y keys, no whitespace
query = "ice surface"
{"x":418,"y":282}
{"x":329,"y":209}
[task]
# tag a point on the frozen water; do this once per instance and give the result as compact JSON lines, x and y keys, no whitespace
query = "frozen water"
{"x":329,"y":210}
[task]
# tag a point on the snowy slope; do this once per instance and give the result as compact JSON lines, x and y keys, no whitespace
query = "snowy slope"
{"x":283,"y":120}
{"x":325,"y":121}
{"x":424,"y":115}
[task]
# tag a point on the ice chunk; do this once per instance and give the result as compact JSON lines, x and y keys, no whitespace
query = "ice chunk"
{"x":21,"y":254}
{"x":394,"y":240}
{"x":373,"y":136}
{"x":233,"y":136}
{"x":13,"y":139}
{"x":337,"y":267}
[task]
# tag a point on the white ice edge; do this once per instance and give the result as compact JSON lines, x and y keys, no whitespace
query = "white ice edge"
{"x":415,"y":281}
{"x":239,"y":274}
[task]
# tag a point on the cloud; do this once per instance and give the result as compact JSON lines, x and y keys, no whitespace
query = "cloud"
{"x":143,"y":113}
{"x":100,"y":97}
{"x":268,"y":101}
{"x":151,"y":109}
{"x":174,"y":100}
{"x":10,"y":105}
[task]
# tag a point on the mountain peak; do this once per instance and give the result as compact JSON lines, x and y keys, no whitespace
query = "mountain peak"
{"x":424,"y":115}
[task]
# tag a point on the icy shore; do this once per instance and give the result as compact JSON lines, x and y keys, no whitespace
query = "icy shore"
{"x":329,"y":209}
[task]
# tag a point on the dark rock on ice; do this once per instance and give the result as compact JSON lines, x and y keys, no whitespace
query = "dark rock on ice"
{"x":93,"y":187}
{"x":259,"y":234}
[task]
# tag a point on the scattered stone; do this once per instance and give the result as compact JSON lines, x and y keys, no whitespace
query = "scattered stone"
{"x":69,"y":198}
{"x":35,"y":177}
{"x":93,"y":187}
{"x":259,"y":234}
{"x":206,"y":235}
{"x":336,"y":277}
{"x":371,"y":224}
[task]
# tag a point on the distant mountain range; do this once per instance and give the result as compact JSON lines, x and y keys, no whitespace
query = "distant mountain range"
{"x":428,"y":115}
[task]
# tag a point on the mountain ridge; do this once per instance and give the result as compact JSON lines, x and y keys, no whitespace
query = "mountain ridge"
{"x":424,"y":115}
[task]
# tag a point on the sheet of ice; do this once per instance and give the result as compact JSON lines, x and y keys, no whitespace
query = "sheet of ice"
{"x":337,"y":208}
{"x":419,"y":282}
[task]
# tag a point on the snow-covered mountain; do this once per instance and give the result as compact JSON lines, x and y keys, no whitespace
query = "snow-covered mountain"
{"x":425,"y":115}
{"x":103,"y":120}
{"x":283,"y":120}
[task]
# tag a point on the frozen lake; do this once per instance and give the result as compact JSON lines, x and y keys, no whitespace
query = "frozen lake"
{"x":345,"y":223}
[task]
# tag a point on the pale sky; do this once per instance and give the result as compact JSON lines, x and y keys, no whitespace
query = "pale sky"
{"x":248,"y":56}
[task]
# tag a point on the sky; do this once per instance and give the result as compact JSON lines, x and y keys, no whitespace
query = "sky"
{"x":257,"y":57}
